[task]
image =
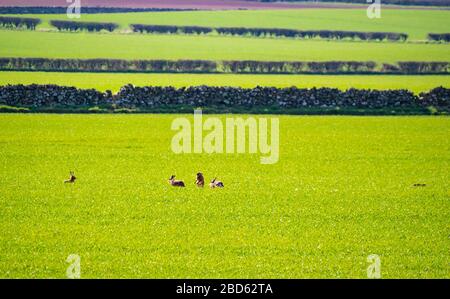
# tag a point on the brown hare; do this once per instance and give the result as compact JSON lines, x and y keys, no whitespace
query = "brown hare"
{"x":71,"y":179}
{"x":419,"y":185}
{"x":175,"y":183}
{"x":216,"y":184}
{"x":200,"y":182}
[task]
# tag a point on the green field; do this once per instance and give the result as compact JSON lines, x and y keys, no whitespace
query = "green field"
{"x":113,"y":81}
{"x":343,"y":187}
{"x":416,"y":23}
{"x":342,"y":190}
{"x":135,"y":46}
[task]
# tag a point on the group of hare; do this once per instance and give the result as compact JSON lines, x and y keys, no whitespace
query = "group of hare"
{"x":200,"y":181}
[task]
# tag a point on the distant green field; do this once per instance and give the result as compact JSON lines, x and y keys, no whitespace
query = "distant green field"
{"x":341,"y":191}
{"x":113,"y":81}
{"x":417,"y":23}
{"x":135,"y":46}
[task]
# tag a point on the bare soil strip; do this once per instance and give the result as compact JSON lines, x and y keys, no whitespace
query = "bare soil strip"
{"x":183,"y":4}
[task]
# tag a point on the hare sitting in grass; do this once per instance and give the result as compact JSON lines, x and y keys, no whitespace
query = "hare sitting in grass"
{"x":175,"y":183}
{"x":71,"y":179}
{"x":216,"y":184}
{"x":200,"y":182}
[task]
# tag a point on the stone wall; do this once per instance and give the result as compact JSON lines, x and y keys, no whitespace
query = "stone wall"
{"x":206,"y":96}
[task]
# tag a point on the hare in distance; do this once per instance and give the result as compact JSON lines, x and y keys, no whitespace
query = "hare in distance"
{"x":200,"y":181}
{"x":216,"y":184}
{"x":71,"y":178}
{"x":175,"y":183}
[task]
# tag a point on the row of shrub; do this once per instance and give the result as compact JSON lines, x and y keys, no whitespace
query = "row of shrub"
{"x":13,"y":22}
{"x":337,"y":67}
{"x":31,"y":23}
{"x":78,"y":26}
{"x":205,"y":96}
{"x":278,"y":32}
{"x":108,"y":65}
{"x":170,"y":29}
{"x":299,"y":67}
{"x":227,"y":66}
{"x":440,"y":37}
{"x":417,"y":67}
{"x":84,"y":10}
{"x":395,"y":2}
{"x":327,"y":34}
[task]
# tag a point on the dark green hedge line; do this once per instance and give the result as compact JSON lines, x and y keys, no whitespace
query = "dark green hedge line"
{"x":326,"y":34}
{"x":170,"y":29}
{"x":228,"y":66}
{"x":225,"y":110}
{"x":107,"y":65}
{"x":416,"y":67}
{"x":77,"y":26}
{"x":299,"y":67}
{"x":13,"y":22}
{"x":131,"y":98}
{"x":440,"y":37}
{"x":31,"y":23}
{"x":396,"y":2}
{"x":278,"y":32}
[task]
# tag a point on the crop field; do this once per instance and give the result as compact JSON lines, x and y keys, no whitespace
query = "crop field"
{"x":113,"y":81}
{"x":416,"y":23}
{"x":122,"y":46}
{"x":344,"y":187}
{"x":342,"y":190}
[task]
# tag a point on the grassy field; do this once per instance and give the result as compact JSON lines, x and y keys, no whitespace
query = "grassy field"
{"x":342,"y":190}
{"x":135,"y":46}
{"x":416,"y":23}
{"x":113,"y":82}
